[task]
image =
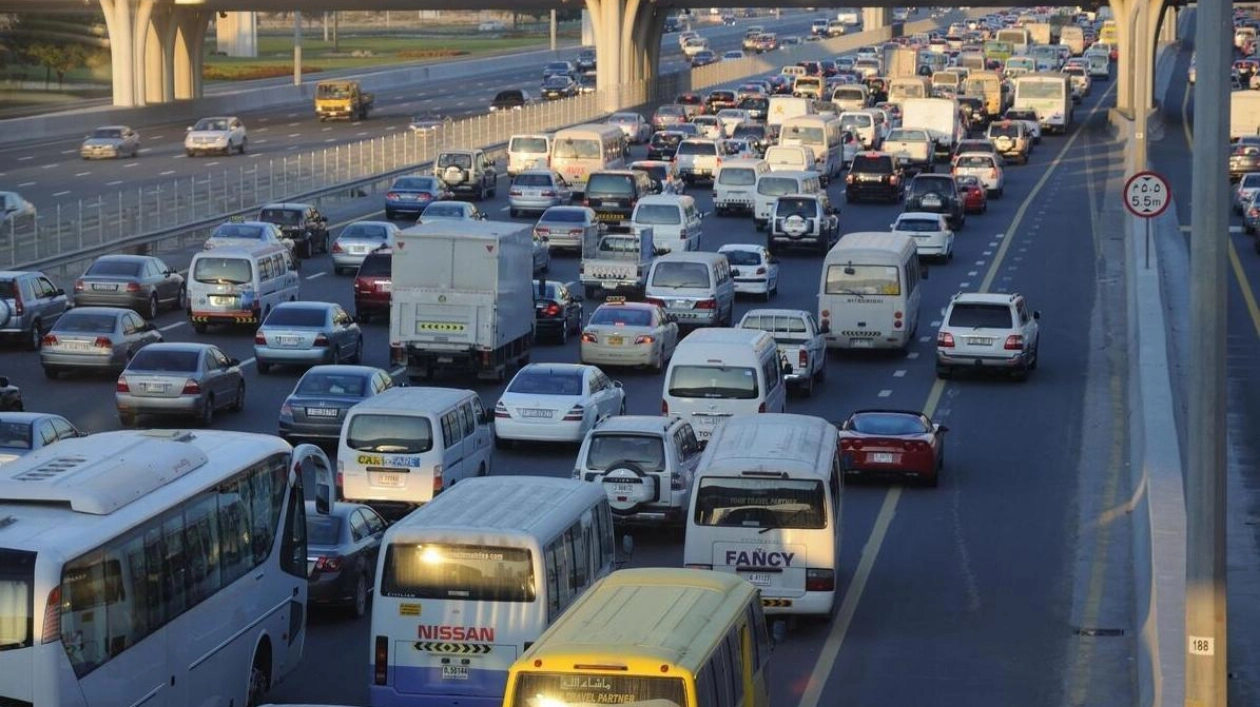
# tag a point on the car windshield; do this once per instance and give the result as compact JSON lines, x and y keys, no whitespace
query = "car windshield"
{"x":366,"y":231}
{"x":78,"y":321}
{"x":888,"y":423}
{"x":611,"y":448}
{"x":624,"y":118}
{"x":713,"y":382}
{"x":151,"y":358}
{"x":742,"y":257}
{"x":570,"y":149}
{"x":556,"y":82}
{"x":319,"y":383}
{"x":782,"y":327}
{"x":741,"y":502}
{"x":776,"y":186}
{"x":563,"y":216}
{"x":795,"y":206}
{"x":658,"y":214}
{"x":391,"y":434}
{"x":297,"y":316}
{"x":737,"y":177}
{"x":220,"y":271}
{"x":284,"y":217}
{"x":697,"y":147}
{"x":547,"y":382}
{"x":428,"y":184}
{"x":981,"y":316}
{"x":532,"y":180}
{"x":15,"y":435}
{"x":679,"y":274}
{"x":918,"y":225}
{"x":880,"y":164}
{"x":974,"y":161}
{"x":322,"y":530}
{"x":622,"y":316}
{"x":241,"y":231}
{"x":376,"y":265}
{"x":850,"y":279}
{"x":107,"y":133}
{"x":211,"y":124}
{"x":115,"y":268}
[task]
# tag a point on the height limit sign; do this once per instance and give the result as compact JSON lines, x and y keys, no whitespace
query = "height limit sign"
{"x":1147,"y":195}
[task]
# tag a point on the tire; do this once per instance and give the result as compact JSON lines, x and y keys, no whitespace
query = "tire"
{"x":206,"y":415}
{"x":127,"y":419}
{"x":244,"y":141}
{"x":189,"y":153}
{"x":563,"y":338}
{"x":357,"y":358}
{"x":944,"y":372}
{"x":390,"y":215}
{"x":358,"y":605}
{"x":36,"y":337}
{"x":199,"y":328}
{"x":51,"y":373}
{"x":259,"y":681}
{"x":180,"y":299}
{"x":807,"y":389}
{"x":934,"y":480}
{"x":238,"y":403}
{"x":152,"y":314}
{"x":262,"y":366}
{"x":821,"y":375}
{"x":362,"y":317}
{"x":514,"y":213}
{"x":659,"y":364}
{"x":1036,"y":358}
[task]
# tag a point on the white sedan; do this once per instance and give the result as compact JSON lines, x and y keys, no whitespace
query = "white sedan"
{"x":754,"y":270}
{"x":931,"y":233}
{"x":985,"y":166}
{"x":730,"y":118}
{"x":555,"y":402}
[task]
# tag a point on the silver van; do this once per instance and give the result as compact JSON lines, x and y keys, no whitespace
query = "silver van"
{"x":697,"y":288}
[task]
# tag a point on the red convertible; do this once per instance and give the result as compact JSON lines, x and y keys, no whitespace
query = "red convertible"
{"x":893,"y":443}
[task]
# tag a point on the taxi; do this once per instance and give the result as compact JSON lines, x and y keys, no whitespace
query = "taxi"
{"x":622,"y":333}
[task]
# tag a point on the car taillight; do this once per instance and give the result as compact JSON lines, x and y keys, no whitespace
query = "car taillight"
{"x":260,"y":339}
{"x":655,"y":300}
{"x":50,"y":340}
{"x":437,"y":478}
{"x":644,"y":339}
{"x":514,"y":192}
{"x":575,"y":414}
{"x":191,"y":387}
{"x":898,"y":320}
{"x":892,"y":179}
{"x":18,"y":307}
{"x":362,"y":285}
{"x":328,"y":564}
{"x":552,"y":309}
{"x":133,"y":287}
{"x":336,"y":247}
{"x":945,"y":340}
{"x":820,"y":580}
{"x":761,"y":407}
{"x":500,"y":410}
{"x":52,"y":616}
{"x":321,"y":340}
{"x":1014,"y":342}
{"x":586,"y":202}
{"x":391,"y":195}
{"x":122,"y":386}
{"x":542,"y":232}
{"x":548,"y":193}
{"x":915,"y":446}
{"x":286,"y":408}
{"x":78,"y":286}
{"x":993,"y":173}
{"x":707,"y":304}
{"x":675,"y":481}
{"x":802,"y":359}
{"x":575,"y":232}
{"x":588,"y":338}
{"x":380,"y":663}
{"x":664,"y":407}
{"x":103,"y":342}
{"x":848,"y":179}
{"x":1254,"y":212}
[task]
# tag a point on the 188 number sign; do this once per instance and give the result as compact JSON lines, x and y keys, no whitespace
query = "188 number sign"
{"x":1147,"y":194}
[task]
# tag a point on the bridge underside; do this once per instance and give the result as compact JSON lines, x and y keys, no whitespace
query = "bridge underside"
{"x":517,"y":5}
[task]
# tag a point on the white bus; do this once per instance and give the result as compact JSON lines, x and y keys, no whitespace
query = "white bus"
{"x":1018,"y":37}
{"x":156,"y":568}
{"x":468,"y":582}
{"x":582,"y":149}
{"x":1049,"y":95}
{"x":766,"y":505}
{"x":869,"y":295}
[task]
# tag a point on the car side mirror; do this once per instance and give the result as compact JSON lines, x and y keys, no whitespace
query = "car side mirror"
{"x":58,"y":292}
{"x":1037,"y":315}
{"x":188,"y":129}
{"x":616,"y":384}
{"x":487,"y":416}
{"x":942,"y":429}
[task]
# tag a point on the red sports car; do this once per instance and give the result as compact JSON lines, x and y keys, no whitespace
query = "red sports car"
{"x":893,"y":443}
{"x":975,"y":196}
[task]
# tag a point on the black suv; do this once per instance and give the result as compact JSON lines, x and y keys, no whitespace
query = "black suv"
{"x":758,"y":107}
{"x":717,"y":100}
{"x":875,"y":175}
{"x":937,"y":194}
{"x":301,"y":223}
{"x":510,"y":99}
{"x":586,"y":60}
{"x":614,"y":193}
{"x":664,"y":144}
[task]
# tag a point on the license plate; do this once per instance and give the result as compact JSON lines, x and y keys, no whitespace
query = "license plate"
{"x":880,"y":457}
{"x":615,"y":340}
{"x":153,"y":387}
{"x":625,"y":489}
{"x":979,"y":340}
{"x":222,"y":299}
{"x":385,"y":286}
{"x":321,"y":412}
{"x":682,"y":304}
{"x":861,"y":343}
{"x":76,"y":345}
{"x":759,"y":579}
{"x":610,"y":217}
{"x":390,"y":480}
{"x":931,"y":201}
{"x":105,"y":288}
{"x":532,"y":412}
{"x":288,"y":340}
{"x":454,"y":672}
{"x":869,"y":178}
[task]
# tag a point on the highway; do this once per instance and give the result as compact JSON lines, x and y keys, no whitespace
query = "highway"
{"x":1243,"y":382}
{"x":51,"y":173}
{"x":971,"y":593}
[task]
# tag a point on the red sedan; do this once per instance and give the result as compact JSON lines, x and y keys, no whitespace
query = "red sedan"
{"x":975,"y":196}
{"x":893,"y":443}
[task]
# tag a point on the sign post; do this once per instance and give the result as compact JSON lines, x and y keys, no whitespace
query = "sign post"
{"x":1146,"y":196}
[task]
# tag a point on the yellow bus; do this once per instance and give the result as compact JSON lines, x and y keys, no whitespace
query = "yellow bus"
{"x":1110,"y":33}
{"x":665,"y":637}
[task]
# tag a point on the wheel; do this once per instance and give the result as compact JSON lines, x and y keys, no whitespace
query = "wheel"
{"x":591,"y":291}
{"x":494,"y":189}
{"x":933,"y":481}
{"x":390,"y":215}
{"x":259,"y":681}
{"x":821,"y":375}
{"x":308,"y":247}
{"x":514,"y":213}
{"x":189,"y":153}
{"x":153,"y":307}
{"x":358,"y":606}
{"x":807,"y":389}
{"x":180,"y":300}
{"x":37,"y":336}
{"x":323,"y":244}
{"x":563,"y":338}
{"x":362,"y":317}
{"x":357,"y":358}
{"x":501,"y":443}
{"x":238,"y":403}
{"x":243,"y":142}
{"x":50,"y":373}
{"x":1020,"y":374}
{"x":657,"y":365}
{"x":1036,"y":358}
{"x":206,"y":414}
{"x":263,"y":367}
{"x":127,"y":419}
{"x":944,"y":372}
{"x":199,"y":328}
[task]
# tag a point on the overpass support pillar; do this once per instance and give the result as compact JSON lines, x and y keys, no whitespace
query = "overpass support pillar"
{"x":627,"y":45}
{"x":1168,"y":25}
{"x":159,"y":56}
{"x":237,"y":34}
{"x":155,"y":50}
{"x":876,"y":18}
{"x":189,"y":43}
{"x":127,"y":22}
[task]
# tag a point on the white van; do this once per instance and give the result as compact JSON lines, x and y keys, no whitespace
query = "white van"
{"x":791,"y":158}
{"x":772,"y":185}
{"x":675,"y":221}
{"x":869,"y":294}
{"x":861,"y":124}
{"x":822,"y":134}
{"x":527,"y":152}
{"x":716,"y":374}
{"x":582,"y":149}
{"x":736,"y":185}
{"x":405,"y":445}
{"x":766,"y":505}
{"x":239,"y":285}
{"x":854,"y":96}
{"x":782,"y":108}
{"x":697,"y":289}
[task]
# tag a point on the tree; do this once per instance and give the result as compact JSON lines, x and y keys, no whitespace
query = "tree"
{"x":56,"y":58}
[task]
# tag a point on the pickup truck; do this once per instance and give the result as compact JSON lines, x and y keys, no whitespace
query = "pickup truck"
{"x":915,"y":147}
{"x":802,"y":348}
{"x":341,"y":99}
{"x":617,"y":261}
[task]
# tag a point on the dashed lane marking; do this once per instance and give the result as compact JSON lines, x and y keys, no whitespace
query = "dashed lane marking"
{"x":885,"y":393}
{"x":61,"y":193}
{"x":82,"y":174}
{"x":176,"y":325}
{"x":316,"y":275}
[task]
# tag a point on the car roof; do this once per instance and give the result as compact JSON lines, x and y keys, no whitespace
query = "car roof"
{"x":985,"y":297}
{"x":116,"y":311}
{"x":920,"y":214}
{"x":978,"y":153}
{"x":340,"y":369}
{"x":777,"y":312}
{"x":627,"y":305}
{"x":304,"y":304}
{"x":645,"y":424}
{"x":555,"y":368}
{"x":284,"y":205}
{"x":27,"y":417}
{"x":178,"y":346}
{"x":123,"y":257}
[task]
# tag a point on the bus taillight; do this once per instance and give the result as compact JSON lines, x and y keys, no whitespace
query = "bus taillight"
{"x":817,"y":580}
{"x":381,"y":667}
{"x":52,"y":616}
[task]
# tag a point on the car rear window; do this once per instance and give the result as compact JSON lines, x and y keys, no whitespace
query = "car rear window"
{"x":13,"y":435}
{"x":666,"y":139}
{"x":115,"y":268}
{"x":872,"y":163}
{"x":395,"y":434}
{"x":366,"y":231}
{"x":776,"y":186}
{"x":236,"y":230}
{"x":677,"y":274}
{"x":284,"y":217}
{"x":232,"y":271}
{"x":1001,"y":130}
{"x":86,"y":322}
{"x":756,"y":503}
{"x":507,"y":96}
{"x":981,"y":316}
{"x":689,"y":147}
{"x":529,"y":145}
{"x":795,"y":206}
{"x":319,"y":383}
{"x":416,"y":183}
{"x":377,"y":264}
{"x":154,"y":359}
{"x":738,"y":176}
{"x":918,"y":225}
{"x":742,"y":257}
{"x":975,"y":161}
{"x":563,"y":216}
{"x":547,"y":382}
{"x":882,"y":423}
{"x":532,"y":180}
{"x":622,"y":316}
{"x":323,"y":530}
{"x":713,"y":382}
{"x":599,"y":184}
{"x":658,"y":215}
{"x":610,"y":449}
{"x":297,"y":316}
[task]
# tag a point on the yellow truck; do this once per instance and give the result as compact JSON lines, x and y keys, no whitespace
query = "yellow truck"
{"x":341,"y":99}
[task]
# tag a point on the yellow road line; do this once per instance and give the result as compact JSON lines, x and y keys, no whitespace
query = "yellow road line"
{"x":888,"y":509}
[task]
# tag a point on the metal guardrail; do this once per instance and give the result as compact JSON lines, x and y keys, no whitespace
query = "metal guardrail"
{"x":170,"y":216}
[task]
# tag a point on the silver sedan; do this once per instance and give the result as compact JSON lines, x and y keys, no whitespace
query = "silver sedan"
{"x":357,"y":240}
{"x":450,"y":211}
{"x":538,"y":190}
{"x":95,"y":339}
{"x":181,"y":379}
{"x":140,"y":282}
{"x":23,"y":432}
{"x":636,"y":128}
{"x":566,"y":226}
{"x":110,"y":141}
{"x":306,"y":334}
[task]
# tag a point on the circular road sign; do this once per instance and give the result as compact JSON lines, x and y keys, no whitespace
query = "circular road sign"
{"x":1147,"y":194}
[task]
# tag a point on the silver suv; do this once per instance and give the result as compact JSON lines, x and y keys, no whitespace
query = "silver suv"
{"x":29,"y":306}
{"x":645,"y":463}
{"x":989,"y":330}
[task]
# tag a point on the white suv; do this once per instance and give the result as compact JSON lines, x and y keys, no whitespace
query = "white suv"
{"x":697,"y":160}
{"x":988,"y":330}
{"x":645,"y":464}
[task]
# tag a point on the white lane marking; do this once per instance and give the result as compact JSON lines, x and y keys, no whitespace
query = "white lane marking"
{"x":398,"y":371}
{"x":294,"y":134}
{"x":27,"y":158}
{"x":176,"y":325}
{"x":318,"y":274}
{"x":936,"y":323}
{"x":260,"y":142}
{"x":913,"y":354}
{"x":61,"y":193}
{"x":51,"y":166}
{"x":82,"y":174}
{"x":292,"y":124}
{"x":262,"y":130}
{"x":361,"y":133}
{"x":26,"y":184}
{"x":506,"y":208}
{"x":155,"y":137}
{"x":291,"y":115}
{"x":964,"y":284}
{"x":987,"y":252}
{"x":330,"y":139}
{"x":67,"y":152}
{"x":114,"y":183}
{"x":167,"y":173}
{"x":1232,"y":229}
{"x":179,"y":156}
{"x":973,"y":273}
{"x":899,"y":373}
{"x":129,"y":165}
{"x":924,"y":339}
{"x":979,"y":262}
{"x":213,"y":164}
{"x":1000,"y":235}
{"x":247,"y":361}
{"x":325,"y":130}
{"x":885,"y":393}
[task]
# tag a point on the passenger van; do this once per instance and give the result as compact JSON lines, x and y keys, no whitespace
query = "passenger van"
{"x":861,"y":124}
{"x":527,"y":152}
{"x":791,"y":158}
{"x":808,"y":87}
{"x":823,"y":135}
{"x":766,"y":505}
{"x":466,"y":584}
{"x":675,"y":221}
{"x":696,"y":289}
{"x":718,"y":374}
{"x":736,"y":185}
{"x":582,"y":149}
{"x":869,"y":294}
{"x":854,"y":96}
{"x":903,"y":88}
{"x":986,"y":85}
{"x":404,"y":446}
{"x":772,"y":185}
{"x":239,"y":284}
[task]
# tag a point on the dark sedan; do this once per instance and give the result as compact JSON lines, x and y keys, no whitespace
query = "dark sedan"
{"x":557,"y":87}
{"x":557,"y":310}
{"x":411,"y":195}
{"x":316,"y":408}
{"x":664,"y":144}
{"x":341,"y":552}
{"x":139,"y":282}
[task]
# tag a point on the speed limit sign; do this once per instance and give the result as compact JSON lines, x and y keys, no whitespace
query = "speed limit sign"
{"x":1147,"y":194}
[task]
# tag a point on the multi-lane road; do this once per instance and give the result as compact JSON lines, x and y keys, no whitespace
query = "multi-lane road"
{"x":52,"y":172}
{"x":976,"y":592}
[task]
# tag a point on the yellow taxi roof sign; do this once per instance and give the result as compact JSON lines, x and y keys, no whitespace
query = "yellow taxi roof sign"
{"x":614,"y":300}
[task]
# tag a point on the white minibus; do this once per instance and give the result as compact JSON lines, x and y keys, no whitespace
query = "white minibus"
{"x":823,"y":135}
{"x":405,"y":445}
{"x":528,"y":152}
{"x":719,"y":373}
{"x":869,"y":294}
{"x":774,"y":184}
{"x":467,"y":583}
{"x":239,"y":285}
{"x":582,"y":149}
{"x":766,"y":505}
{"x":1049,"y":95}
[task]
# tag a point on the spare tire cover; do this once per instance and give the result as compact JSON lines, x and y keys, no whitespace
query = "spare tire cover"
{"x":453,"y":175}
{"x":628,"y":487}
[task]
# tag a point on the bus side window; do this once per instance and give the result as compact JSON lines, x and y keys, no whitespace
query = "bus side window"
{"x":552,"y":568}
{"x":723,"y":675}
{"x":735,"y":648}
{"x":705,"y":689}
{"x":761,"y":636}
{"x":576,"y":535}
{"x":607,"y":537}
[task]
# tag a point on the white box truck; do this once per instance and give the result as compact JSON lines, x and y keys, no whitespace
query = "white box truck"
{"x":462,"y":299}
{"x":901,"y":61}
{"x":940,"y":117}
{"x":1244,"y":114}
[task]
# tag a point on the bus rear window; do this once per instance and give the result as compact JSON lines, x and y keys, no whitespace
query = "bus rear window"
{"x":389,"y":434}
{"x":862,"y":280}
{"x":602,"y":688}
{"x":713,"y":382}
{"x":468,"y":572}
{"x":222,"y":271}
{"x":17,"y":599}
{"x":738,"y":502}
